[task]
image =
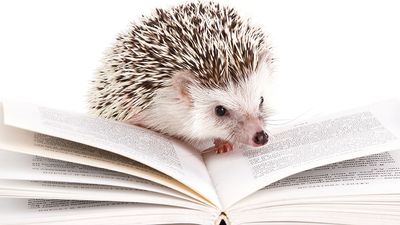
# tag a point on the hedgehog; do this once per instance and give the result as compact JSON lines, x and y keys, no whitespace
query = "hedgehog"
{"x":196,"y":72}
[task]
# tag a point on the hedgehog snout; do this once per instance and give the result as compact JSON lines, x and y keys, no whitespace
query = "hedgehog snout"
{"x":260,"y":138}
{"x":252,"y":132}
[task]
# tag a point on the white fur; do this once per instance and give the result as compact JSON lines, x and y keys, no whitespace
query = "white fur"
{"x":197,"y":121}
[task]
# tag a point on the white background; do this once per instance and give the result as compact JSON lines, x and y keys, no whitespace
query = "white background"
{"x":331,"y":54}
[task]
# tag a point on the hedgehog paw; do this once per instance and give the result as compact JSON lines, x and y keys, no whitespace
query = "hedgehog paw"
{"x":222,"y":146}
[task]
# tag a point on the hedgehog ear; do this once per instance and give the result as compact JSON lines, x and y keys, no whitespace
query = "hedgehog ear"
{"x":180,"y":82}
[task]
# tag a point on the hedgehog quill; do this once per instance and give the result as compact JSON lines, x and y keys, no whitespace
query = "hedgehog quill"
{"x":196,"y":72}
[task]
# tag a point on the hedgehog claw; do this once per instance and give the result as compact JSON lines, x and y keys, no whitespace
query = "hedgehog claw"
{"x":222,"y":146}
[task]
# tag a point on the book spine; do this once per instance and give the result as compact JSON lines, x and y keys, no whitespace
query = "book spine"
{"x":222,"y":219}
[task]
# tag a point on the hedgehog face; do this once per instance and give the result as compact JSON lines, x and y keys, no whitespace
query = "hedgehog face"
{"x":236,"y":113}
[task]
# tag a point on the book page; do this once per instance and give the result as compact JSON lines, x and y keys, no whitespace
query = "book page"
{"x":365,"y":179}
{"x":365,"y":213}
{"x":27,"y":142}
{"x":149,"y":148}
{"x":20,"y":166}
{"x":34,"y":211}
{"x":342,"y":136}
{"x":92,"y":192}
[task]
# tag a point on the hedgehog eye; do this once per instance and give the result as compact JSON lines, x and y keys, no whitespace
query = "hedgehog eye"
{"x":261,"y":100}
{"x":220,"y":110}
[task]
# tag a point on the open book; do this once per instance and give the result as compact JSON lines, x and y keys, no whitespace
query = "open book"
{"x":63,"y":168}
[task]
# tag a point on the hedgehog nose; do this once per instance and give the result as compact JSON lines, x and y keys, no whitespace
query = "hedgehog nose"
{"x":260,"y":138}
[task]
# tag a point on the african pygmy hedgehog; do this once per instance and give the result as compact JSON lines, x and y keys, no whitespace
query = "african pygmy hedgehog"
{"x":196,"y":71}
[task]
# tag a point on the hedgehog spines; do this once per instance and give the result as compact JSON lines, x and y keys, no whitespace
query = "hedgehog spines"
{"x":211,"y":41}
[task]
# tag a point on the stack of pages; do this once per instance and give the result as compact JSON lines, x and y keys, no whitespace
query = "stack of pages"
{"x":64,"y":168}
